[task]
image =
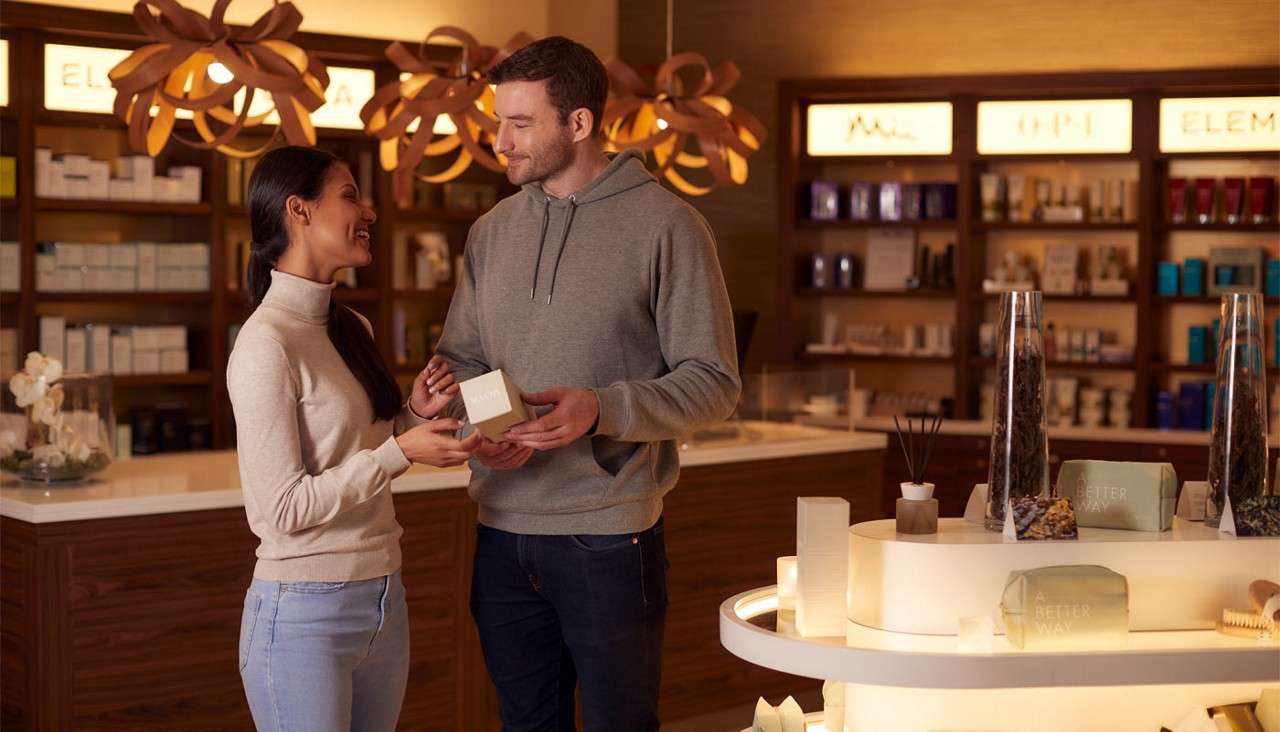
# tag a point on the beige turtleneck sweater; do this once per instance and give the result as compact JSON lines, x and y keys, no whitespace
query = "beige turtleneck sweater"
{"x":315,"y":467}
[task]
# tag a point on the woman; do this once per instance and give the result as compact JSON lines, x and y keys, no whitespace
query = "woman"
{"x":324,"y":640}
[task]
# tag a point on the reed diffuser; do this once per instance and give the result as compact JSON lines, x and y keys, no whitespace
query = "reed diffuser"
{"x":917,"y":511}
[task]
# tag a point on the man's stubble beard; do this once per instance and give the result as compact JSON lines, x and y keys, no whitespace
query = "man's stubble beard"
{"x":557,"y":158}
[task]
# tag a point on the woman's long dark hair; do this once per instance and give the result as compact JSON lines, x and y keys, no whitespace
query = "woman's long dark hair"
{"x":302,"y":172}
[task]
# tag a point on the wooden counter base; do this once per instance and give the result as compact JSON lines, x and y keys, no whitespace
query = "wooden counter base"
{"x":131,"y":623}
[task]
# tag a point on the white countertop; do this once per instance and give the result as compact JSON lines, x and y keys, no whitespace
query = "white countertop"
{"x":208,"y":480}
{"x":982,"y":428}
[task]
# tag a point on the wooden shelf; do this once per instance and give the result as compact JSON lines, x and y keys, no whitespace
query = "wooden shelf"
{"x":436,"y":214}
{"x":8,"y":204}
{"x":876,"y":294}
{"x":1271,"y":227}
{"x":1188,"y":299}
{"x":1267,"y":157}
{"x":982,"y":362}
{"x":1196,"y":368}
{"x":191,"y":378}
{"x":160,"y":208}
{"x":150,"y":298}
{"x":886,"y":358}
{"x":1087,"y":299}
{"x":1056,"y":226}
{"x":851,"y":224}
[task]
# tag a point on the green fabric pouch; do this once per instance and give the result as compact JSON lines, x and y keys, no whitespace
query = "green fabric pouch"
{"x":1066,"y":608}
{"x":1115,"y":495}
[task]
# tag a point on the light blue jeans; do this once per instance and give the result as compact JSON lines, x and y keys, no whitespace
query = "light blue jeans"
{"x":325,"y":656}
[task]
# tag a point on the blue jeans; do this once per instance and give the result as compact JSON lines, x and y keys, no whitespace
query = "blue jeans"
{"x":558,"y":611}
{"x":325,"y":656}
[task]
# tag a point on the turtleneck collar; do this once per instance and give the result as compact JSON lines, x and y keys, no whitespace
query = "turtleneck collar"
{"x":305,"y":298}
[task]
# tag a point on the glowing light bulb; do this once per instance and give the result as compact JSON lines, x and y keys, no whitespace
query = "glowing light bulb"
{"x":219,"y":73}
{"x":662,"y":124}
{"x":443,"y":126}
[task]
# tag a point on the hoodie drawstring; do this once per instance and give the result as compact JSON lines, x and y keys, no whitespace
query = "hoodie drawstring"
{"x":555,"y":268}
{"x":542,"y":239}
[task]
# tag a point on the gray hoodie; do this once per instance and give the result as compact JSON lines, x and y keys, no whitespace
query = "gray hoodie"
{"x":617,"y":289}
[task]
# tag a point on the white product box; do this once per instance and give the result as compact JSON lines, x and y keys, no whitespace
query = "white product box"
{"x":166,"y":189}
{"x":75,"y":164}
{"x":10,"y":266}
{"x":168,"y":280}
{"x":70,"y":279}
{"x":69,"y":255}
{"x":44,"y":156}
{"x":99,"y":348}
{"x":174,"y":361}
{"x":493,"y":403}
{"x":97,"y":255}
{"x":97,"y":279}
{"x":189,"y":182}
{"x":57,"y":187}
{"x":46,"y":260}
{"x":77,"y":187}
{"x":144,"y":171}
{"x":171,"y":337}
{"x":146,"y":362}
{"x":146,"y":253}
{"x":122,"y":255}
{"x":99,"y":179}
{"x":169,"y":256}
{"x":53,"y":336}
{"x":119,"y":189}
{"x":123,"y":280}
{"x":145,"y":338}
{"x":822,"y":565}
{"x":77,"y":351}
{"x":121,"y":353}
{"x":45,"y":282}
{"x":195,"y":255}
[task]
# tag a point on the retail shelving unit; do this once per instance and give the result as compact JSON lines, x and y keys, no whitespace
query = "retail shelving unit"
{"x":218,"y":219}
{"x":1152,"y":322}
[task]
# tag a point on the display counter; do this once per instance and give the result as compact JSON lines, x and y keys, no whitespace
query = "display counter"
{"x":123,"y":596}
{"x":928,"y":676}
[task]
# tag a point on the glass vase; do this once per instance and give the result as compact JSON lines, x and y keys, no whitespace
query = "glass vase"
{"x":56,"y":430}
{"x":1238,"y":446}
{"x":1019,"y":464}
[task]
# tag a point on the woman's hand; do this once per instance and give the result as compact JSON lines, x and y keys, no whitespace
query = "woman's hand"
{"x":433,"y":388}
{"x":433,"y":443}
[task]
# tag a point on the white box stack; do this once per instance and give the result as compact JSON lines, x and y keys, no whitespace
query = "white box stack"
{"x":822,"y":565}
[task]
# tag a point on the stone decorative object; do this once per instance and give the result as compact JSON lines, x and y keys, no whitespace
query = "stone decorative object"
{"x":787,"y":583}
{"x":792,"y":715}
{"x":822,"y":565}
{"x":766,"y":718}
{"x":833,"y":706}
{"x":1035,"y":517}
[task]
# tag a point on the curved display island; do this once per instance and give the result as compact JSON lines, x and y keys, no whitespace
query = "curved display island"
{"x":917,"y":681}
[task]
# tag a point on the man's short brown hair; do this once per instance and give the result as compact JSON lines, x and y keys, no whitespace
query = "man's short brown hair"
{"x":575,"y":77}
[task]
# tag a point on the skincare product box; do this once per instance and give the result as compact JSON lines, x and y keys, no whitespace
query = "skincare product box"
{"x":822,"y":565}
{"x":864,"y":201}
{"x":1120,"y":495}
{"x":1066,"y":608}
{"x":493,"y":404}
{"x":1167,"y":276}
{"x":1193,"y":276}
{"x":824,"y":200}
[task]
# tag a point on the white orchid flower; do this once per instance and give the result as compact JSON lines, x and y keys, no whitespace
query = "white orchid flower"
{"x":8,"y":443}
{"x":52,"y":370}
{"x":44,"y":411}
{"x":49,"y":455}
{"x":78,"y":450}
{"x":58,"y":395}
{"x":27,"y":389}
{"x":34,"y":365}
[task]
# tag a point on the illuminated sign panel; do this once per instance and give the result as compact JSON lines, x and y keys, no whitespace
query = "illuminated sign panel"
{"x":1220,"y":124}
{"x":916,"y":128}
{"x":4,"y":73}
{"x":75,"y":77}
{"x":1046,"y":127}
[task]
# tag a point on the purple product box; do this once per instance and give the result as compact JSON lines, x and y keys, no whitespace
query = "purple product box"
{"x":890,"y":201}
{"x":940,"y":201}
{"x":912,"y":201}
{"x":824,"y":200}
{"x":864,"y":201}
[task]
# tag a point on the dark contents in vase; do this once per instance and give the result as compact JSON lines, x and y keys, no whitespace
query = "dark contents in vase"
{"x":1248,"y":459}
{"x":1019,"y":470}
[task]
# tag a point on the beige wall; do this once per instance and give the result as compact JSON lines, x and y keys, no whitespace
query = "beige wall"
{"x":490,"y":21}
{"x":771,"y":40}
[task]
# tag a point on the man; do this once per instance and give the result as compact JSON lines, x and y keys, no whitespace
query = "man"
{"x":600,"y":294}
